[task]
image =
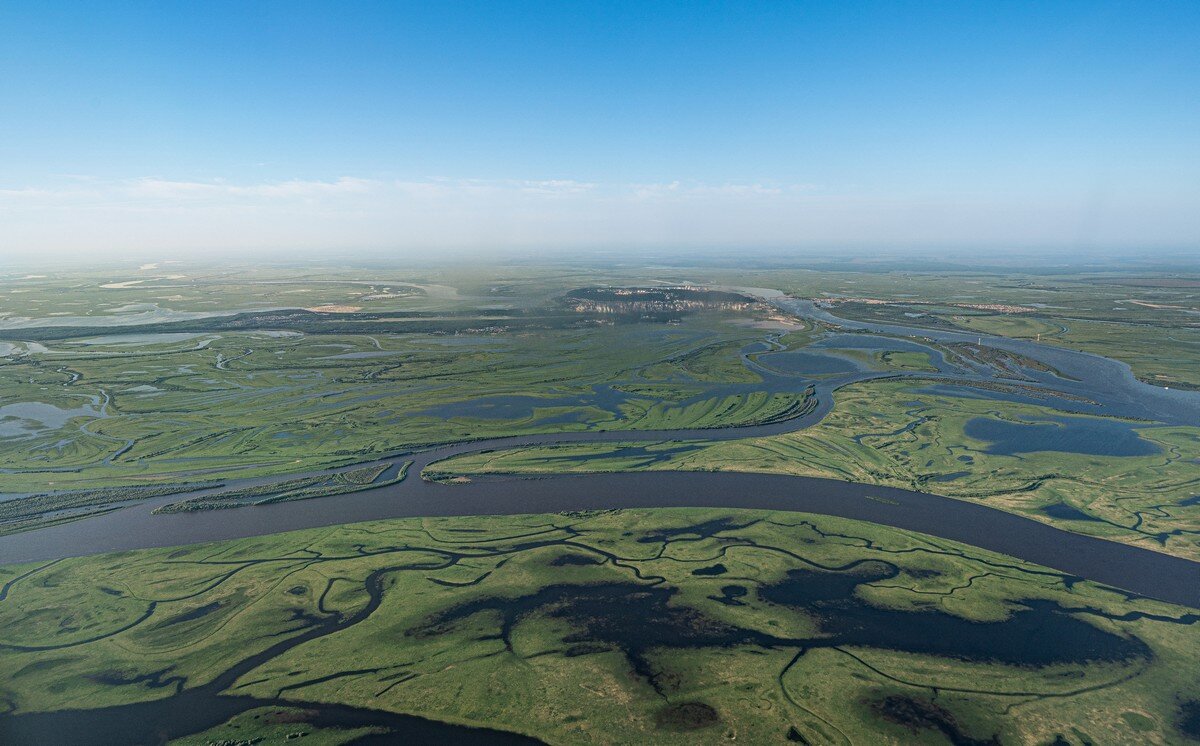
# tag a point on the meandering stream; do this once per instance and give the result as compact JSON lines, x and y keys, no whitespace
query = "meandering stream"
{"x":1093,"y":385}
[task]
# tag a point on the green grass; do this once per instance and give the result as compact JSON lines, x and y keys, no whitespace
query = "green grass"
{"x":274,"y":725}
{"x":878,"y":434}
{"x":1160,"y":341}
{"x":279,"y":405}
{"x":298,"y":403}
{"x":154,"y":412}
{"x":757,"y":408}
{"x":1017,"y":326}
{"x":438,"y":645}
{"x":909,"y":361}
{"x":715,"y":363}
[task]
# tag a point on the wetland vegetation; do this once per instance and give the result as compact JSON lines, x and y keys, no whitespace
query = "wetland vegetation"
{"x":1126,"y":481}
{"x":192,"y":390}
{"x":821,"y":628}
{"x":306,"y":488}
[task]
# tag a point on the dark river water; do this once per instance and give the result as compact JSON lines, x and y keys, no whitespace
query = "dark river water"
{"x":1129,"y":568}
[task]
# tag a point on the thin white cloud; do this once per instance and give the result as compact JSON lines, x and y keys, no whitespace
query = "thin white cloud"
{"x":679,"y":190}
{"x":556,"y":187}
{"x":34,"y":193}
{"x":167,"y":189}
{"x":353,"y":212}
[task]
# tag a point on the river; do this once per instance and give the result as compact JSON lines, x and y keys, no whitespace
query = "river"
{"x":1095,"y":385}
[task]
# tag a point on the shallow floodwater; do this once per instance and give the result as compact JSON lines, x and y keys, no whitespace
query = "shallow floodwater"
{"x":807,"y":363}
{"x":1085,"y":435}
{"x":362,"y":355}
{"x":22,"y":419}
{"x":133,"y":340}
{"x":1108,"y":384}
{"x":1104,"y":387}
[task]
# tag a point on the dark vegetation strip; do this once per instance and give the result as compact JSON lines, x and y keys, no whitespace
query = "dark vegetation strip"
{"x":634,"y":617}
{"x":37,"y":511}
{"x":310,"y":322}
{"x":304,"y":488}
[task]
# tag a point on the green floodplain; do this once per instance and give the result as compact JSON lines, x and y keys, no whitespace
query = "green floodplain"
{"x":262,"y":385}
{"x":626,"y":626}
{"x":898,"y":434}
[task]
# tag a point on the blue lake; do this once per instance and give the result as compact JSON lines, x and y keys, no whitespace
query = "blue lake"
{"x":1086,"y":435}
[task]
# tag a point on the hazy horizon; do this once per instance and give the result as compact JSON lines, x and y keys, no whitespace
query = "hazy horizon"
{"x":913,"y":259}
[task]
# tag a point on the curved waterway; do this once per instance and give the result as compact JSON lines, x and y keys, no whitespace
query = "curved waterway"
{"x":1109,"y":384}
{"x":1140,"y":571}
{"x":191,"y":710}
{"x":1094,"y":385}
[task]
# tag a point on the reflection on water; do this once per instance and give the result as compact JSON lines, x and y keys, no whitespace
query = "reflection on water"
{"x":1107,"y":382}
{"x":1086,"y":435}
{"x":29,"y":418}
{"x":846,"y":619}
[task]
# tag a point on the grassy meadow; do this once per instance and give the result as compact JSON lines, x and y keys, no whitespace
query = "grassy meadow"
{"x":677,"y":626}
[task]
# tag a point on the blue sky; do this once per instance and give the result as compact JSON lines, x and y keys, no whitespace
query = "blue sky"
{"x":207,"y":125}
